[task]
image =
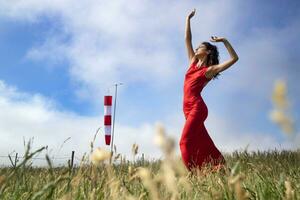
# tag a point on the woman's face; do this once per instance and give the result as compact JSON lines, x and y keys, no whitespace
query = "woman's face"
{"x":201,"y":50}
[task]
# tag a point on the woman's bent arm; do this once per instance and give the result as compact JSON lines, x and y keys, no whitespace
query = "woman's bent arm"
{"x":223,"y":66}
{"x":231,"y":51}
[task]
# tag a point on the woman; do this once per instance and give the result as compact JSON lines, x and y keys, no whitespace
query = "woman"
{"x":197,"y":148}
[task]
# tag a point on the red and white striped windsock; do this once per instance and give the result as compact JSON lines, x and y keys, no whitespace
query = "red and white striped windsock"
{"x":107,"y":118}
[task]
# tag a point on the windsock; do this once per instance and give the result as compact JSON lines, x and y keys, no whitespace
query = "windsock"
{"x":107,"y":118}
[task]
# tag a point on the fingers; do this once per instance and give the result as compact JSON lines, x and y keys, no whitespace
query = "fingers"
{"x":213,"y":39}
{"x":193,"y":12}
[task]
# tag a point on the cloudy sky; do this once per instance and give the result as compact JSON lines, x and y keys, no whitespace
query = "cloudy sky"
{"x":58,"y":58}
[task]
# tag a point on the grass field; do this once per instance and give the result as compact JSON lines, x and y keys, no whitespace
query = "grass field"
{"x":248,"y":175}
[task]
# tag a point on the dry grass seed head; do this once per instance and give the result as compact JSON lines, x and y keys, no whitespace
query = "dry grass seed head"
{"x":289,"y":192}
{"x":235,"y":183}
{"x":167,"y":144}
{"x":134,"y":149}
{"x":279,"y":94}
{"x":2,"y":180}
{"x":145,"y":175}
{"x":100,"y":155}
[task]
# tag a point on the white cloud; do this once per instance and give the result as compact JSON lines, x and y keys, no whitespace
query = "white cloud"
{"x":113,"y":41}
{"x":229,"y":137}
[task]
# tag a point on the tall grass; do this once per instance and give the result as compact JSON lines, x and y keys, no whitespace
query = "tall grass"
{"x":250,"y":175}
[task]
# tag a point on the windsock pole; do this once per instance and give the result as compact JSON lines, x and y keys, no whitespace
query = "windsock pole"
{"x":115,"y":106}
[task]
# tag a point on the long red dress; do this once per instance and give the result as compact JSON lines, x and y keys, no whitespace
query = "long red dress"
{"x":196,"y":146}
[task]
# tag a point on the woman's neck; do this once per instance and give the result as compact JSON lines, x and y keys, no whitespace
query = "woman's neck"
{"x":201,"y":61}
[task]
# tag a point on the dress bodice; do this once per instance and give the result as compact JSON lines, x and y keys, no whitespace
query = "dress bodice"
{"x":194,"y":82}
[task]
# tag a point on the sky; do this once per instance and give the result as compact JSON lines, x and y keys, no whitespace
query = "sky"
{"x":58,"y":58}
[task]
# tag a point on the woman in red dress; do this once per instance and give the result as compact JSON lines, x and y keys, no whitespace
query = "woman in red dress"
{"x":196,"y":146}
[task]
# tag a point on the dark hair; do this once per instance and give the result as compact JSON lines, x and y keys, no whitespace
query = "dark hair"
{"x":213,"y":56}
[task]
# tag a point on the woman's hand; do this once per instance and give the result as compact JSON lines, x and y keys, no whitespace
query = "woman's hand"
{"x":191,"y":14}
{"x":217,"y":39}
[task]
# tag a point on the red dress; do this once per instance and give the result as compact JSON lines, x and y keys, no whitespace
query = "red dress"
{"x":196,"y":146}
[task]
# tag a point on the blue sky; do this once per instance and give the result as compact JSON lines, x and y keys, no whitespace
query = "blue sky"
{"x":59,"y":58}
{"x":34,"y":76}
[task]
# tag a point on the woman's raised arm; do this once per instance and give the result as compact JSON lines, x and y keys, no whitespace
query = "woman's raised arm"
{"x":188,"y":36}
